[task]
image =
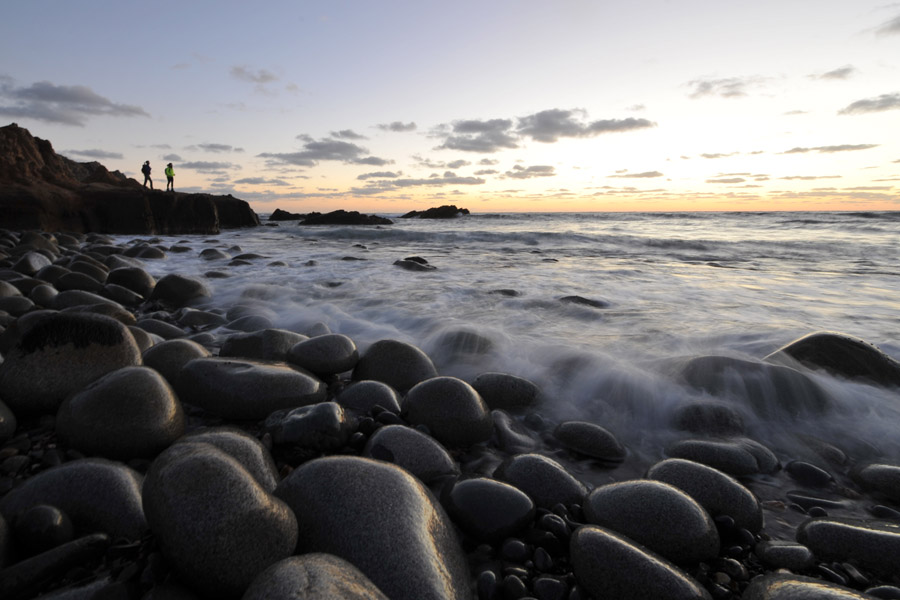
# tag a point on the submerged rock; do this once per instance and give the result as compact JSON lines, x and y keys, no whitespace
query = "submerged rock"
{"x":507,"y":392}
{"x":398,"y":364}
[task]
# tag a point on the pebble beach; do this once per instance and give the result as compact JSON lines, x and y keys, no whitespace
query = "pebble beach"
{"x":166,"y":432}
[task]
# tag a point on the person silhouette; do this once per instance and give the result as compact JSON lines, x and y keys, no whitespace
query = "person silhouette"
{"x":146,"y":171}
{"x":170,"y":178}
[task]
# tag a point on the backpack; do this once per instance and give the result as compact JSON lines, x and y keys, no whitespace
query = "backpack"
{"x":145,"y":169}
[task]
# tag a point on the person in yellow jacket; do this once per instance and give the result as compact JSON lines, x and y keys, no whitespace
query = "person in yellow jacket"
{"x":170,"y":178}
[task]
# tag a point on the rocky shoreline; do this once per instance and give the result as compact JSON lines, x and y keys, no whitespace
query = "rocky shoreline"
{"x":156,"y":445}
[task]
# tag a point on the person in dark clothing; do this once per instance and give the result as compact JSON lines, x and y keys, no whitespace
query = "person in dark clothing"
{"x":146,"y":171}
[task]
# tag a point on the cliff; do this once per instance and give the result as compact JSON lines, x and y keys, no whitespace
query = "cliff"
{"x":40,"y":189}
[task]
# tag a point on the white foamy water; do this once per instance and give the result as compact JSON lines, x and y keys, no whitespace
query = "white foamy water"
{"x":677,"y":286}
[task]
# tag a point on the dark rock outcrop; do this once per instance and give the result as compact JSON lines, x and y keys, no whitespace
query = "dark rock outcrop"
{"x":40,"y":189}
{"x":447,"y":211}
{"x":343,"y":217}
{"x":283,"y":215}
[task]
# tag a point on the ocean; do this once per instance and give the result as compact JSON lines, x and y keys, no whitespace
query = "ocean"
{"x":651,"y":291}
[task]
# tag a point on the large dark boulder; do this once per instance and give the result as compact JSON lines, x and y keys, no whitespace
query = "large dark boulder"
{"x":438,"y":212}
{"x":283,"y":215}
{"x":342,"y":217}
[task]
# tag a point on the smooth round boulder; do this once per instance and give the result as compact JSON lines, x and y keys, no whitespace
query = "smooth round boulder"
{"x":16,"y":305}
{"x":242,"y":447}
{"x":545,"y":481}
{"x":325,"y":354}
{"x":870,"y":543}
{"x":31,"y":262}
{"x":512,"y":436}
{"x":246,"y":389}
{"x":381,"y":519}
{"x":265,"y":344}
{"x":881,"y":478}
{"x":8,"y":423}
{"x":78,"y":281}
{"x":734,"y":456}
{"x":8,"y":290}
{"x":177,"y":290}
{"x":61,"y":354}
{"x":77,"y":298}
{"x":709,"y":418}
{"x":41,"y":528}
{"x":398,"y":364}
{"x":133,"y":278}
{"x":451,"y":409}
{"x":717,"y":492}
{"x":314,"y":576}
{"x":363,"y":396}
{"x":216,"y":526}
{"x":609,"y":565}
{"x":129,"y":413}
{"x":322,"y":426}
{"x":202,"y":319}
{"x":43,"y":295}
{"x":780,"y":554}
{"x":170,"y":356}
{"x":97,"y":494}
{"x":166,"y":331}
{"x":589,"y":439}
{"x":502,"y":391}
{"x":782,"y":586}
{"x":416,"y":452}
{"x":488,"y":510}
{"x":656,"y":515}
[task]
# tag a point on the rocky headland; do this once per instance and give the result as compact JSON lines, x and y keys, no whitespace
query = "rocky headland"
{"x":447,"y":211}
{"x":41,"y":190}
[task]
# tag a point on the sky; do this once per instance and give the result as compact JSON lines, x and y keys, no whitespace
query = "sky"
{"x":491,"y":105}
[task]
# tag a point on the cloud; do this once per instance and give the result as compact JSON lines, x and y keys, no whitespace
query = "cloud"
{"x":891,"y":27}
{"x":480,"y":136}
{"x":844,"y":72}
{"x":95,"y":154}
{"x":261,"y":181}
{"x":830,"y":149}
{"x":520,"y":172}
{"x":215,"y":148}
{"x":378,"y":175}
{"x":729,"y":87}
{"x":172,"y":157}
{"x":448,"y":178}
{"x":488,"y":162}
{"x":347,"y":134}
{"x":244,"y":73}
{"x":718,"y":155}
{"x":208,"y":166}
{"x":315,"y":151}
{"x":397,"y":126}
{"x":64,"y":104}
{"x":486,"y":172}
{"x":644,"y":175}
{"x":870,"y":105}
{"x":727,"y":180}
{"x":456,"y":164}
{"x":550,"y":125}
{"x":809,"y":177}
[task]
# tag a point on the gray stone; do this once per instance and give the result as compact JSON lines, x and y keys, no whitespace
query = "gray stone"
{"x":325,"y":354}
{"x":314,"y":576}
{"x":381,"y":519}
{"x":609,"y":565}
{"x":108,"y":309}
{"x":129,"y":413}
{"x":16,"y":305}
{"x":590,"y":440}
{"x":73,"y":298}
{"x":31,"y":262}
{"x":452,"y":411}
{"x":41,"y":528}
{"x":214,"y":254}
{"x":25,"y":578}
{"x":59,"y":355}
{"x":170,"y":356}
{"x":502,"y":391}
{"x":242,"y":447}
{"x":97,"y":494}
{"x":265,"y":344}
{"x":43,"y":295}
{"x":321,"y":426}
{"x":121,"y":294}
{"x":543,"y":479}
{"x":656,"y":515}
{"x":488,"y":510}
{"x":709,"y":418}
{"x":416,"y":452}
{"x":250,"y":323}
{"x":8,"y":423}
{"x":734,"y":457}
{"x":398,"y":364}
{"x":192,"y":317}
{"x":133,"y":278}
{"x":779,"y":586}
{"x":143,"y":339}
{"x":717,"y":492}
{"x":870,"y":543}
{"x":785,"y":555}
{"x":78,"y":281}
{"x":178,"y":290}
{"x":881,"y":478}
{"x":52,"y":273}
{"x":363,"y":396}
{"x":8,"y":290}
{"x":166,"y":331}
{"x":214,"y":523}
{"x":94,"y":269}
{"x":512,"y":436}
{"x":246,"y":389}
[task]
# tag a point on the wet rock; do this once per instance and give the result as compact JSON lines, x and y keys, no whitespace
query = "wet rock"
{"x":412,"y":265}
{"x":582,"y":301}
{"x":121,"y":295}
{"x":44,"y":295}
{"x":778,"y":586}
{"x":874,"y":544}
{"x":416,"y":452}
{"x":59,"y":355}
{"x":178,"y":290}
{"x":79,"y":298}
{"x":25,"y":578}
{"x":363,"y":396}
{"x":194,"y":318}
{"x":78,"y":281}
{"x":451,"y":409}
{"x":265,"y":344}
{"x":502,"y":391}
{"x":717,"y":492}
{"x":135,"y":279}
{"x":41,"y":528}
{"x":214,"y":254}
{"x":242,"y":447}
{"x":590,"y":440}
{"x":881,"y":478}
{"x":166,"y":331}
{"x":246,"y":389}
{"x":129,"y":413}
{"x":381,"y":519}
{"x":841,"y":355}
{"x":461,"y":344}
{"x":734,"y":457}
{"x":250,"y":323}
{"x":30,"y":263}
{"x":97,"y":494}
{"x":215,"y":524}
{"x":8,"y":290}
{"x":488,"y":510}
{"x":545,"y":481}
{"x":808,"y":474}
{"x":8,"y":423}
{"x":709,"y":418}
{"x":512,"y":436}
{"x":609,"y":565}
{"x":312,"y":576}
{"x":320,"y":426}
{"x":398,"y":364}
{"x":16,"y":305}
{"x":325,"y":354}
{"x":170,"y":356}
{"x":785,"y":555}
{"x":808,"y":501}
{"x":656,"y":515}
